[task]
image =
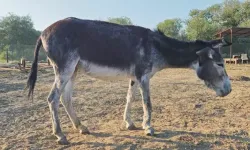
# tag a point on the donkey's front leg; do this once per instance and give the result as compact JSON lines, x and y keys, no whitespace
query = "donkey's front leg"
{"x":147,"y":107}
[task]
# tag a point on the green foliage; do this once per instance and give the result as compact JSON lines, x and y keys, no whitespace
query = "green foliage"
{"x":183,"y":35}
{"x":18,"y":36}
{"x":2,"y":55}
{"x":17,"y":29}
{"x":16,"y":52}
{"x":245,"y":24}
{"x":201,"y":28}
{"x":204,"y":24}
{"x":245,"y":14}
{"x":171,"y":27}
{"x":16,"y":32}
{"x":232,"y":14}
{"x":121,"y":20}
{"x":246,"y":10}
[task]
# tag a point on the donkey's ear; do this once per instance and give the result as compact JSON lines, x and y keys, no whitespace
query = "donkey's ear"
{"x":206,"y":52}
{"x":222,"y":43}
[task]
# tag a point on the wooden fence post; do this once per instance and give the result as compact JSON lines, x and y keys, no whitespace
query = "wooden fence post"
{"x":23,"y":62}
{"x":48,"y":61}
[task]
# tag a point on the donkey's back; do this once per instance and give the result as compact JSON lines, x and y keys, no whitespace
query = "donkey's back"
{"x":98,"y":42}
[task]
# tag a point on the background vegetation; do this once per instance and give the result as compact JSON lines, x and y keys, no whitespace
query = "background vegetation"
{"x":18,"y":35}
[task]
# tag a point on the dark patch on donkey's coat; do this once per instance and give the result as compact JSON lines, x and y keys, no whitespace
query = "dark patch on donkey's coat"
{"x":132,"y":83}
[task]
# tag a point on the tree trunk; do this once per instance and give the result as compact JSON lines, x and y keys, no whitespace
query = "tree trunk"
{"x":7,"y":55}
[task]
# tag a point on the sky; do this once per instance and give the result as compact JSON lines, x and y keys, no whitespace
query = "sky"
{"x":146,"y":13}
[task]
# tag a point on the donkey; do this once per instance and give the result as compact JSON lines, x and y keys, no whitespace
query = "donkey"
{"x":107,"y":51}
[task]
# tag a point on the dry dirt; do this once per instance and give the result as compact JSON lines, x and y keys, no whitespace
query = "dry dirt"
{"x":186,"y":115}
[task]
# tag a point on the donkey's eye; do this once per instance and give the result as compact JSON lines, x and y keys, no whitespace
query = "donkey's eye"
{"x":222,"y":65}
{"x":200,"y":64}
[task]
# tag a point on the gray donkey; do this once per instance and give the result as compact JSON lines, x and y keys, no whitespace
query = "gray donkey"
{"x":108,"y":51}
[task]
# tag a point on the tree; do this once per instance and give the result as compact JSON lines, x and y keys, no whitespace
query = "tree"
{"x":203,"y":24}
{"x":246,"y":14}
{"x":15,"y":31}
{"x":245,"y":24}
{"x":232,"y":14}
{"x":213,"y":14}
{"x":200,"y":28}
{"x":171,"y":27}
{"x":194,"y":13}
{"x":183,"y":35}
{"x":246,"y":9}
{"x":121,"y":20}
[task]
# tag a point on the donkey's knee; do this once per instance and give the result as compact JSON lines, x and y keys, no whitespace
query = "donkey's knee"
{"x":53,"y":96}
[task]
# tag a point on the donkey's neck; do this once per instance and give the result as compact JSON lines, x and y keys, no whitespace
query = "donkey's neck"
{"x":178,"y":53}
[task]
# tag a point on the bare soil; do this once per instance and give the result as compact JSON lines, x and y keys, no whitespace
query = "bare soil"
{"x":186,"y":115}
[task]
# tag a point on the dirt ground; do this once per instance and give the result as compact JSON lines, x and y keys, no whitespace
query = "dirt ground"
{"x":186,"y":115}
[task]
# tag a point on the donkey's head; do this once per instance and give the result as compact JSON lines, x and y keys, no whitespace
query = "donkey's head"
{"x":211,"y":67}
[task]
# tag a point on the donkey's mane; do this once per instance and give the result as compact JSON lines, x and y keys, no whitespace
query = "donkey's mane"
{"x":176,"y":52}
{"x":176,"y":44}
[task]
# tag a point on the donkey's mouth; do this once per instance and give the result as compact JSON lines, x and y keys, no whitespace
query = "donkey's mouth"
{"x":219,"y":92}
{"x":226,"y":89}
{"x":222,"y":93}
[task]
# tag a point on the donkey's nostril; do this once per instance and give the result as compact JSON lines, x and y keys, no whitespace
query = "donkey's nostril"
{"x":225,"y":93}
{"x":222,"y":92}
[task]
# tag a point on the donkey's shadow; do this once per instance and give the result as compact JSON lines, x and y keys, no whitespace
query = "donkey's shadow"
{"x":169,"y":134}
{"x":161,"y":137}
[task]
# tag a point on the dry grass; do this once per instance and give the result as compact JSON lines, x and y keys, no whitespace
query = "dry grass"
{"x":186,"y":115}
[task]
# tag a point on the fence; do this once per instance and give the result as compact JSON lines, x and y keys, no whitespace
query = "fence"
{"x":18,"y":51}
{"x":237,"y":49}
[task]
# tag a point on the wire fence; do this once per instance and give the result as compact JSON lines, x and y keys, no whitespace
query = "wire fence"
{"x":19,"y":51}
{"x":237,"y":49}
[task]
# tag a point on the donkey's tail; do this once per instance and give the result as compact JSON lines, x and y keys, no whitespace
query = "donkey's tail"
{"x":33,"y":71}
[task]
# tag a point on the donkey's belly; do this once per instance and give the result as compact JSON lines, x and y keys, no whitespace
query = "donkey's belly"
{"x":106,"y":72}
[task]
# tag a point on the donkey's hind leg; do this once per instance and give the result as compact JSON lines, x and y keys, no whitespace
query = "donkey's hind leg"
{"x":66,"y":99}
{"x":146,"y":103}
{"x":61,"y":78}
{"x":130,"y":97}
{"x":53,"y":100}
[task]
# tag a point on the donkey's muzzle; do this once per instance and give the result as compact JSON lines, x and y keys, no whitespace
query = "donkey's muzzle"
{"x":227,"y":89}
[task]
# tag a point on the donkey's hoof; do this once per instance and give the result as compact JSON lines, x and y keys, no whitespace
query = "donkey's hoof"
{"x":63,"y":141}
{"x":131,"y":127}
{"x":149,"y":131}
{"x":84,"y":130}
